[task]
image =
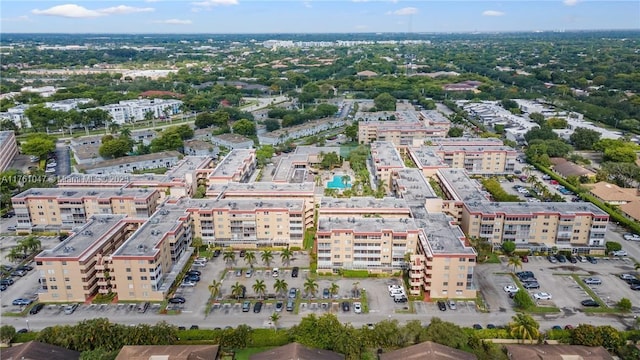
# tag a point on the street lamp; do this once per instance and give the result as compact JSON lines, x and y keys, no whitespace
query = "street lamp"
{"x":28,"y":329}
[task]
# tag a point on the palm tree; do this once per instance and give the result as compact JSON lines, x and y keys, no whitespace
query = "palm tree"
{"x":250,"y":258}
{"x":333,"y":289}
{"x":30,"y":244}
{"x":524,"y":327}
{"x":280,"y":286}
{"x":311,"y":286}
{"x":274,"y":319}
{"x":355,"y":288}
{"x":15,"y":254}
{"x":266,"y":257}
{"x":113,"y":127}
{"x":125,"y":132}
{"x":214,"y":288}
{"x":286,"y":256}
{"x":229,"y":257}
{"x":236,"y":290}
{"x":149,"y":116}
{"x":345,"y":180}
{"x":196,"y":242}
{"x":260,"y":288}
{"x":516,"y":262}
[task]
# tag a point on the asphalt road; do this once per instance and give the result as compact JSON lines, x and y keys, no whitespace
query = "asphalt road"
{"x":63,"y":159}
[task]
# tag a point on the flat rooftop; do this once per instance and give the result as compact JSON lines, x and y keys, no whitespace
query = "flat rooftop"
{"x":531,"y":208}
{"x":329,"y":223}
{"x":130,"y":160}
{"x":308,"y":125}
{"x":463,"y":188}
{"x":4,"y":135}
{"x":85,"y":239}
{"x":286,"y":169}
{"x":413,"y":186}
{"x":261,"y":189}
{"x":392,"y":126}
{"x":248,"y":205}
{"x":188,"y":165}
{"x":316,"y":150}
{"x":385,"y":154}
{"x":232,"y":138}
{"x":232,"y":163}
{"x":425,"y":156}
{"x":434,"y":116}
{"x":79,"y":193}
{"x":443,"y":237}
{"x":467,"y":141}
{"x":144,"y":240}
{"x":362,"y":203}
{"x":474,"y":148}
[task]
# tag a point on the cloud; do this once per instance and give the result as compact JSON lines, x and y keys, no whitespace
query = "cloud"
{"x":174,"y":22}
{"x":307,"y":4}
{"x":361,"y":27}
{"x":214,"y":3}
{"x":79,"y":12}
{"x":404,"y":11}
{"x":570,"y":2}
{"x":492,"y":13}
{"x":69,"y":11}
{"x":22,"y":18}
{"x":124,"y":9}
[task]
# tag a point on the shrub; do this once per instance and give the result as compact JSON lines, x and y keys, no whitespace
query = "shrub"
{"x":269,"y":337}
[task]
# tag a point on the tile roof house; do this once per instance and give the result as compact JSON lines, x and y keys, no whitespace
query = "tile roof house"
{"x":567,"y":168}
{"x":631,"y":210}
{"x":34,"y":350}
{"x":367,"y":73}
{"x":428,"y":350}
{"x":613,"y":194}
{"x":556,"y":352}
{"x":296,"y":351}
{"x":168,"y":352}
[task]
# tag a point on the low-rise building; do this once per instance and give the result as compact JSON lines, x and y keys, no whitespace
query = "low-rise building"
{"x":612,"y":194}
{"x":66,"y":208}
{"x":8,"y":149}
{"x":127,"y":111}
{"x":310,"y":128}
{"x":232,"y":141}
{"x":237,"y":166}
{"x":200,"y":148}
{"x":130,"y":164}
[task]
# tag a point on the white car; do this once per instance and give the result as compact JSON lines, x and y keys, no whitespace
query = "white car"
{"x":188,"y":284}
{"x":631,"y":237}
{"x":542,"y":296}
{"x":511,"y":289}
{"x":275,"y":272}
{"x":620,"y":253}
{"x":357,"y":307}
{"x":394,"y":287}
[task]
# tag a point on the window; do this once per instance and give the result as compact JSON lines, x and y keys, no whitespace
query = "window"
{"x":462,"y":259}
{"x":128,"y":269}
{"x":143,"y":270}
{"x":129,"y":278}
{"x":461,"y":268}
{"x":54,"y":287}
{"x":445,"y":283}
{"x":52,"y":279}
{"x":68,"y":287}
{"x":143,"y":278}
{"x":459,"y":283}
{"x":67,"y":279}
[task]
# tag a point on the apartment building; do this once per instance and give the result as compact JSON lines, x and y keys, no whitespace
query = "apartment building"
{"x":8,"y":149}
{"x":480,"y":160}
{"x":232,"y":141}
{"x":366,"y":206}
{"x":435,"y":120}
{"x":374,"y":244}
{"x":400,"y":133}
{"x":458,"y":189}
{"x":237,"y":166}
{"x":145,"y":266}
{"x":577,"y":227}
{"x":386,"y":160}
{"x":305,"y":191}
{"x":248,"y":223}
{"x":412,"y":186}
{"x":310,"y":128}
{"x":67,"y":208}
{"x":127,"y":111}
{"x":130,"y":164}
{"x":74,"y":270}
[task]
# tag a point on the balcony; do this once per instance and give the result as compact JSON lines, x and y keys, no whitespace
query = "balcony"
{"x":415,"y":275}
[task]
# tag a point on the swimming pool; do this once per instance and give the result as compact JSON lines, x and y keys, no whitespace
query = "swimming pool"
{"x":338,"y":183}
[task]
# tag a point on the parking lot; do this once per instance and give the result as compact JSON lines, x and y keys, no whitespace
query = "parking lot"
{"x":560,"y":281}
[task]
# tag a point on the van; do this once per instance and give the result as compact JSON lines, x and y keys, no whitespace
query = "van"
{"x":142,"y":307}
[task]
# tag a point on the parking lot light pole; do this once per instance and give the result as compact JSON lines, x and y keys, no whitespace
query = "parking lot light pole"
{"x":28,"y":329}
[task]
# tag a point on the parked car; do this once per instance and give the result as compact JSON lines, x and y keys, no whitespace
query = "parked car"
{"x":592,"y":281}
{"x":573,"y":260}
{"x":525,"y":274}
{"x":620,"y":253}
{"x":25,"y":268}
{"x":7,"y":282}
{"x":279,"y":306}
{"x":294,"y":271}
{"x":194,"y":327}
{"x":194,"y":272}
{"x":243,"y":253}
{"x":246,"y":306}
{"x":69,"y":309}
{"x":249,"y":273}
{"x":561,"y":258}
{"x":400,"y":299}
{"x":590,"y":303}
{"x":524,"y":258}
{"x":511,"y":289}
{"x":22,"y":301}
{"x":193,"y":278}
{"x":491,"y":326}
{"x":357,"y":307}
{"x":631,"y":237}
{"x":635,"y":287}
{"x":325,"y":293}
{"x":442,"y":306}
{"x":627,"y":277}
{"x":22,"y":331}
{"x":592,"y":260}
{"x":275,"y":272}
{"x":177,"y":300}
{"x":552,"y":259}
{"x":345,"y":306}
{"x":238,"y":272}
{"x":531,"y":285}
{"x":477,"y":326}
{"x":452,"y":304}
{"x":3,"y":287}
{"x":293,"y":292}
{"x":391,"y":288}
{"x":143,"y":307}
{"x":542,"y":296}
{"x":187,"y":283}
{"x":11,"y":228}
{"x":216,"y":253}
{"x":19,"y":273}
{"x":290,"y":305}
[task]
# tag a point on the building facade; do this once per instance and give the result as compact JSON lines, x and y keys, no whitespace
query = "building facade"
{"x":8,"y":149}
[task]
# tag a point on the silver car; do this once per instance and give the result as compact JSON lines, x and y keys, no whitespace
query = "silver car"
{"x":592,"y":281}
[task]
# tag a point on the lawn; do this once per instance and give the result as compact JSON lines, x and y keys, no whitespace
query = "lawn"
{"x":243,"y":354}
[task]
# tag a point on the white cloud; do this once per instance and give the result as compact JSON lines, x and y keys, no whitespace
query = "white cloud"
{"x":307,"y":4}
{"x":69,"y":11}
{"x":492,"y":13}
{"x":404,"y":11}
{"x":213,"y":3}
{"x":570,"y":2}
{"x":22,"y":18}
{"x":79,"y":12}
{"x":124,"y":9}
{"x":174,"y":22}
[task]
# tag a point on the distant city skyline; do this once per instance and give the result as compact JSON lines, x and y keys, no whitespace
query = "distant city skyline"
{"x":315,"y":16}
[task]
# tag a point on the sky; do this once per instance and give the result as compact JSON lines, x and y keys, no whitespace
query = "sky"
{"x":314,"y":16}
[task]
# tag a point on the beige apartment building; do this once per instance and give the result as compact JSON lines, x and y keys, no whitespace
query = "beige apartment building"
{"x":386,"y":161}
{"x":8,"y":149}
{"x":237,"y":166}
{"x":475,"y":159}
{"x":75,"y":270}
{"x":400,"y":133}
{"x":577,"y":227}
{"x":366,"y":206}
{"x":66,"y":208}
{"x":374,"y":244}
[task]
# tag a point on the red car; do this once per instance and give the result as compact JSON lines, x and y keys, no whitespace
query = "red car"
{"x":524,"y":258}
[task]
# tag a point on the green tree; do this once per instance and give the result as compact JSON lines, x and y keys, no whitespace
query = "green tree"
{"x":611,"y":337}
{"x":250,"y":258}
{"x":542,"y":133}
{"x":214,"y":288}
{"x":31,"y":243}
{"x":509,"y":247}
{"x":285,"y":255}
{"x":455,"y":132}
{"x":99,"y":354}
{"x":272,"y":124}
{"x":524,"y":327}
{"x":351,"y":131}
{"x":584,"y":139}
{"x":612,"y":246}
{"x":236,"y":290}
{"x":260,"y":288}
{"x":523,"y":300}
{"x":516,"y":262}
{"x":264,"y":154}
{"x":244,"y":127}
{"x":275,"y":317}
{"x":333,"y":289}
{"x":39,"y":145}
{"x":267,"y":257}
{"x":537,"y":117}
{"x":7,"y":333}
{"x":624,"y":305}
{"x":625,"y":154}
{"x":229,"y":257}
{"x":280,"y":286}
{"x":115,"y":148}
{"x":446,"y":333}
{"x":330,"y":160}
{"x":385,"y":102}
{"x":196,"y":242}
{"x":204,"y":120}
{"x":557,"y":123}
{"x":310,"y":287}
